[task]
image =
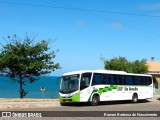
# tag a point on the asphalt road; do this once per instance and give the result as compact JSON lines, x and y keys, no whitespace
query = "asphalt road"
{"x":108,"y":106}
{"x":118,"y":107}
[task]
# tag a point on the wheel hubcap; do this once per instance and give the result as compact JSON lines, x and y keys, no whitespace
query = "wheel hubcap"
{"x":135,"y":99}
{"x":94,"y":100}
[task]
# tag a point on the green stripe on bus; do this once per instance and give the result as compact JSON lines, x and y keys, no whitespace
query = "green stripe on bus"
{"x":94,"y":91}
{"x":100,"y":91}
{"x":103,"y":90}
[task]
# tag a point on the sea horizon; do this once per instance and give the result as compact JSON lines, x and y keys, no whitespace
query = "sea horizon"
{"x":50,"y":83}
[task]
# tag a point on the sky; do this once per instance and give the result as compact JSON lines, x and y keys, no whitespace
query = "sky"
{"x":86,"y":30}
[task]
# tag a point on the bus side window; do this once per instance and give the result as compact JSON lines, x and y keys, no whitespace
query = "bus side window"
{"x":140,"y":80}
{"x":123,"y":80}
{"x":134,"y":80}
{"x":103,"y":79}
{"x":117,"y":80}
{"x":143,"y":80}
{"x":96,"y":79}
{"x":112,"y":79}
{"x":148,"y":80}
{"x":129,"y":80}
{"x":85,"y":80}
{"x":107,"y":79}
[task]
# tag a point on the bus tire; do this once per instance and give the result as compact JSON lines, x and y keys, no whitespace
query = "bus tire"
{"x":134,"y":98}
{"x":95,"y":100}
{"x":62,"y":104}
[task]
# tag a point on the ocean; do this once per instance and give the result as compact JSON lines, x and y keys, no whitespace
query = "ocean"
{"x":8,"y":89}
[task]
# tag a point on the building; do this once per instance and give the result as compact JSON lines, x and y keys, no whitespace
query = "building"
{"x":154,"y":70}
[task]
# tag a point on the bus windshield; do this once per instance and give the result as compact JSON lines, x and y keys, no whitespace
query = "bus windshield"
{"x":69,"y":84}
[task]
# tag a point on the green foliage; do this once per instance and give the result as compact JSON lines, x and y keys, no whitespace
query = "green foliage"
{"x":122,"y":64}
{"x":22,"y":60}
{"x":155,"y":82}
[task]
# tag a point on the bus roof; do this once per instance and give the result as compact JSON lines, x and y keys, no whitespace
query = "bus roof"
{"x":104,"y":72}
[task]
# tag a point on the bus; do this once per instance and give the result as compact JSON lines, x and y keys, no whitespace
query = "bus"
{"x":94,"y":86}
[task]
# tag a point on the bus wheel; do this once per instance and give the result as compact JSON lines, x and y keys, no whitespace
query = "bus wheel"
{"x":95,"y":100}
{"x":135,"y":98}
{"x":62,"y":104}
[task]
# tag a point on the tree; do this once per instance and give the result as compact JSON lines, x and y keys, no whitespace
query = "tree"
{"x":23,"y":60}
{"x":139,"y":66}
{"x":122,"y":64}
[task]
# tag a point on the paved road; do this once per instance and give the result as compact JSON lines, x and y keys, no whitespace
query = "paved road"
{"x":153,"y":105}
{"x":108,"y":106}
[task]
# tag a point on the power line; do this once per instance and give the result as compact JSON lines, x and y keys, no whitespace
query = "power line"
{"x":104,"y":18}
{"x":110,"y":12}
{"x":26,"y":4}
{"x":69,"y":7}
{"x":80,"y":9}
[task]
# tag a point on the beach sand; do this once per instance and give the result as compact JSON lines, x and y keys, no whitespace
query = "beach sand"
{"x":15,"y":103}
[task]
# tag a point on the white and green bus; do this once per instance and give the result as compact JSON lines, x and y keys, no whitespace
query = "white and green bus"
{"x":94,"y":86}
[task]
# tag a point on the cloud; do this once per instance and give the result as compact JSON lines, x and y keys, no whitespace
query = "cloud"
{"x":80,"y":24}
{"x":117,"y":26}
{"x":151,"y":6}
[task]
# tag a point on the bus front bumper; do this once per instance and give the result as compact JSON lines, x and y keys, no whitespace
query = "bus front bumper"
{"x":66,"y":99}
